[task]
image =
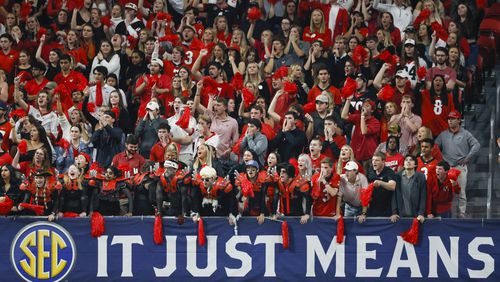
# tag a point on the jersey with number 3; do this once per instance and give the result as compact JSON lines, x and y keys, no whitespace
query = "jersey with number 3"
{"x":435,"y":113}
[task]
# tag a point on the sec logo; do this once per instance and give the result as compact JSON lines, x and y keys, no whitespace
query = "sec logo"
{"x":43,"y":251}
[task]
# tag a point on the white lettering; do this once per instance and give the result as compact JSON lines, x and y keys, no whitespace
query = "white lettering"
{"x":363,"y":255}
{"x":102,"y":256}
{"x":450,"y":261}
{"x":170,"y":257}
{"x":314,"y":248}
{"x":191,"y":266}
{"x":489,"y":262}
{"x":270,"y":241}
{"x":397,"y":262}
{"x":246,"y":260}
{"x":127,"y":242}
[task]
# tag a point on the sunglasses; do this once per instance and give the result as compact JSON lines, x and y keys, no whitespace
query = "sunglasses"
{"x":205,"y":179}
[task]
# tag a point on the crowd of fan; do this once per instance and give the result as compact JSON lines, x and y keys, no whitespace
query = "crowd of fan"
{"x":228,"y":108}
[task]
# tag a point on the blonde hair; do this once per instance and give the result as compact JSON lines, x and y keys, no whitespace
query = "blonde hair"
{"x":308,"y":173}
{"x":322,"y":27}
{"x":210,"y":156}
{"x":340,"y":167}
{"x":293,"y":68}
{"x":243,"y":42}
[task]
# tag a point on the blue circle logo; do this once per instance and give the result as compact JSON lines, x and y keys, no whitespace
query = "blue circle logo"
{"x":43,"y":251}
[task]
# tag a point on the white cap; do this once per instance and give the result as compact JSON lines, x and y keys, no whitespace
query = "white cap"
{"x":131,"y":6}
{"x":410,"y":41}
{"x":171,"y":164}
{"x":152,"y":105}
{"x":157,"y":61}
{"x":350,"y":165}
{"x":403,"y":74}
{"x":208,"y":172}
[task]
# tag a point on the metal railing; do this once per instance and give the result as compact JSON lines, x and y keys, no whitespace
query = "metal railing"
{"x":492,"y":156}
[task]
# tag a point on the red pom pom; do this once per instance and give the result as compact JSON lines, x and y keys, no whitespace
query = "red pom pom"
{"x":295,"y":163}
{"x":254,"y":14}
{"x":385,"y":56}
{"x":386,"y":93}
{"x":201,"y":233}
{"x":421,"y":72}
{"x":39,"y":210}
{"x":411,"y":235}
{"x":172,"y":37}
{"x":91,"y":107}
{"x":285,"y":235}
{"x":158,"y":230}
{"x":340,"y":230}
{"x":281,"y":72}
{"x":70,"y":214}
{"x":58,"y":185}
{"x":363,"y":31}
{"x":366,"y":195}
{"x":6,"y":205}
{"x":24,"y":187}
{"x":92,"y":182}
{"x":246,"y":187}
{"x":17,"y":113}
{"x":423,"y":16}
{"x":25,"y":9}
{"x":248,"y":97}
{"x":97,"y":224}
{"x":210,"y":85}
{"x":23,"y":147}
{"x":309,"y":107}
{"x":106,"y":20}
{"x":350,"y":86}
{"x":290,"y":88}
{"x":440,"y":31}
{"x":116,"y":111}
{"x":183,"y":121}
{"x":237,"y":82}
{"x":453,"y":174}
{"x":359,"y":55}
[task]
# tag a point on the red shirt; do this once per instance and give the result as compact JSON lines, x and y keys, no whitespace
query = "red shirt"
{"x":434,"y":113}
{"x":33,"y":88}
{"x":325,"y":37}
{"x":364,"y":145}
{"x":316,"y":163}
{"x":316,"y":91}
{"x":8,"y":60}
{"x":5,"y":129}
{"x":135,"y":162}
{"x":337,"y":139}
{"x":323,"y":203}
{"x":394,"y":162}
{"x":441,"y":196}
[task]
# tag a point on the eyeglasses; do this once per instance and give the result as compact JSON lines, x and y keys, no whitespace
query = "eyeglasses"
{"x":319,"y":102}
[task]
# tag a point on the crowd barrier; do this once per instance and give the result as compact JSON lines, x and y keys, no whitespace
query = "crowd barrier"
{"x":449,"y":250}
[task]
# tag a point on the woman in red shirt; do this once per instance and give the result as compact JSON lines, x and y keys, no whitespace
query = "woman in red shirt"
{"x":436,"y":104}
{"x":317,"y":29}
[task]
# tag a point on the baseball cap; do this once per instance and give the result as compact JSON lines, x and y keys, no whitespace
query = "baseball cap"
{"x":131,"y":6}
{"x":50,"y":85}
{"x":171,"y":164}
{"x":152,"y":105}
{"x":362,"y":76}
{"x":410,"y":41}
{"x":410,"y":28}
{"x":350,"y":165}
{"x":322,"y":98}
{"x":252,"y":163}
{"x":455,"y":114}
{"x":403,"y":74}
{"x":189,"y":26}
{"x":157,"y":61}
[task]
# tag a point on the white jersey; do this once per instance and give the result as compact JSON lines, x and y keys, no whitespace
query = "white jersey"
{"x":411,"y":69}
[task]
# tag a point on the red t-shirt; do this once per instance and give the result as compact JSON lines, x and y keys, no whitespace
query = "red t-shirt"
{"x":323,"y":203}
{"x":316,"y":163}
{"x":394,"y":162}
{"x":364,"y":145}
{"x":33,"y":88}
{"x":8,"y":60}
{"x":434,"y":113}
{"x":316,"y":91}
{"x":325,"y":37}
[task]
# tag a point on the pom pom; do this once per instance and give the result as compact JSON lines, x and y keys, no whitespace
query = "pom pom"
{"x":23,"y":187}
{"x":363,"y":31}
{"x":309,"y":107}
{"x":295,"y":163}
{"x":359,"y":55}
{"x":281,"y":72}
{"x":290,"y":88}
{"x":19,"y":113}
{"x":70,"y":214}
{"x":106,"y":20}
{"x":39,"y":210}
{"x":210,"y":85}
{"x":6,"y":205}
{"x":172,"y":37}
{"x":201,"y":233}
{"x":340,"y":230}
{"x":116,"y":111}
{"x":58,"y":186}
{"x":92,"y":182}
{"x":183,"y":121}
{"x":97,"y":224}
{"x":386,"y":93}
{"x":91,"y":107}
{"x":441,"y":33}
{"x":285,"y":235}
{"x":366,"y":195}
{"x":158,"y":230}
{"x":421,"y":72}
{"x":411,"y":235}
{"x":246,"y":186}
{"x":254,"y":14}
{"x":422,"y":17}
{"x":25,"y":9}
{"x":453,"y":174}
{"x":162,"y":16}
{"x":349,"y":88}
{"x":385,"y":56}
{"x":248,"y":97}
{"x":237,"y":82}
{"x":23,"y":147}
{"x":63,"y":143}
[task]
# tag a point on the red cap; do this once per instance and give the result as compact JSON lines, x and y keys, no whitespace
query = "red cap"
{"x":87,"y":157}
{"x":454,"y":114}
{"x":371,"y":103}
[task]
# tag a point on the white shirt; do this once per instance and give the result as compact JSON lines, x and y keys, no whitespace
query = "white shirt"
{"x":402,"y":15}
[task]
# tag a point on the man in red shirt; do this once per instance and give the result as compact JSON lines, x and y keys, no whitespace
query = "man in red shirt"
{"x":441,"y":192}
{"x":325,"y":185}
{"x":5,"y":126}
{"x":224,"y":89}
{"x":323,"y":78}
{"x":333,"y":140}
{"x":129,"y":161}
{"x":315,"y":147}
{"x":157,"y":153}
{"x":70,"y":78}
{"x":8,"y":56}
{"x":393,"y":159}
{"x":34,"y":86}
{"x":426,"y":162}
{"x":366,"y":131}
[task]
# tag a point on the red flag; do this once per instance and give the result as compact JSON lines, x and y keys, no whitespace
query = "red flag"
{"x":23,"y":147}
{"x":97,"y":224}
{"x":284,"y":234}
{"x":349,"y":88}
{"x":201,"y":233}
{"x":98,"y":94}
{"x":6,"y":205}
{"x":453,"y":174}
{"x":411,"y":235}
{"x":183,"y":121}
{"x":366,"y":195}
{"x":421,"y":72}
{"x":340,"y":230}
{"x":386,"y":93}
{"x":39,"y":210}
{"x":254,"y":14}
{"x":158,"y":230}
